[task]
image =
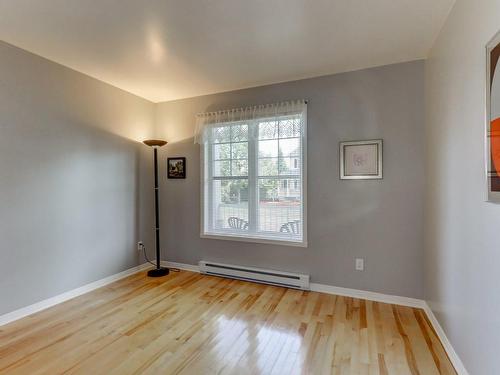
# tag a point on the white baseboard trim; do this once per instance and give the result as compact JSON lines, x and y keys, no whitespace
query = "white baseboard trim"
{"x":452,"y":354}
{"x":370,"y":296}
{"x":45,"y":304}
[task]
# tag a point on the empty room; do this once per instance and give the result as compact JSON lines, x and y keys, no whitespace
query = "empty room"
{"x":249,"y":187}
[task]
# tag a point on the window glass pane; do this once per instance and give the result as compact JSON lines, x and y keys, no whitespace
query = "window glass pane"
{"x":239,"y":150}
{"x":230,"y":159}
{"x":289,"y":166}
{"x":268,"y":130}
{"x":222,"y":151}
{"x":230,"y":204}
{"x":268,"y":148}
{"x":240,"y":168}
{"x":221,"y":134}
{"x":239,"y":133}
{"x":290,"y":128}
{"x":268,"y":190}
{"x":289,"y":147}
{"x":279,"y":208}
{"x":268,"y":167}
{"x":283,"y":166}
{"x":222,"y":168}
{"x":289,"y":153}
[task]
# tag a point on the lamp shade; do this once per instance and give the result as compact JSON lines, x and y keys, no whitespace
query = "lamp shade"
{"x":155,"y":142}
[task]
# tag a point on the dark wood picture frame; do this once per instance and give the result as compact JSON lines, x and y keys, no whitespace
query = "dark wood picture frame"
{"x":176,"y":171}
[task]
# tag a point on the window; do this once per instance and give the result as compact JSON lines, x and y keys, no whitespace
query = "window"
{"x":254,"y":177}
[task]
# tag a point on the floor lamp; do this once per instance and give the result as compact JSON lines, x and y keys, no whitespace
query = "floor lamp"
{"x":158,"y":271}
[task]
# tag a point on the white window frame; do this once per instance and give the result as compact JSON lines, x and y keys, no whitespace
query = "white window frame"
{"x":230,"y":235}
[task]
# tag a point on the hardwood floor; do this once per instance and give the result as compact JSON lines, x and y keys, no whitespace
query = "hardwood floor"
{"x":187,"y":323}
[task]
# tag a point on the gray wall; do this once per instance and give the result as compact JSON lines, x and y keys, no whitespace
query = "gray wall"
{"x":381,"y":221}
{"x":462,"y":255}
{"x":72,"y":205}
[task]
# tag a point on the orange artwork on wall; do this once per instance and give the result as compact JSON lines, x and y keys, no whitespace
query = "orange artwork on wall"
{"x":495,"y":144}
{"x":493,"y":131}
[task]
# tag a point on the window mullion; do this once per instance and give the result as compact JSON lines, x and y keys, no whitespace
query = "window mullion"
{"x":252,"y":178}
{"x":210,"y":188}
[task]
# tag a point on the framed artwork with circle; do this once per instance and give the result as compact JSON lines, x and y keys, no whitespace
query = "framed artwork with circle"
{"x":361,"y":160}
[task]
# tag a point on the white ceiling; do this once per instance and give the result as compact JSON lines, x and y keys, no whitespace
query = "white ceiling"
{"x":171,"y":49}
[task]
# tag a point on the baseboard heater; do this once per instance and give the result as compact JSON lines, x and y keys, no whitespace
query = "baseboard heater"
{"x":258,"y":275}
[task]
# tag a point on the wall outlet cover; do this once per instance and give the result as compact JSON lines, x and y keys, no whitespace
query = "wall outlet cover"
{"x":360,"y":264}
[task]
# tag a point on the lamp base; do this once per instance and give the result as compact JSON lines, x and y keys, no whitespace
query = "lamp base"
{"x":158,"y":272}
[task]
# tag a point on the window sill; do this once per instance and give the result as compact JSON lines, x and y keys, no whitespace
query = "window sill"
{"x":233,"y":237}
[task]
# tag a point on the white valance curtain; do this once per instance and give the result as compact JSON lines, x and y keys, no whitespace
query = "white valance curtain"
{"x":206,"y":121}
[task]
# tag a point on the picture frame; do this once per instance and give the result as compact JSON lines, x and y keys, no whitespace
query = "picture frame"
{"x":492,"y":125}
{"x":176,"y":167}
{"x":361,"y":160}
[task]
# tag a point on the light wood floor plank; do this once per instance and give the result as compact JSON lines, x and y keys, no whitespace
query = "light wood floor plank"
{"x":187,"y":323}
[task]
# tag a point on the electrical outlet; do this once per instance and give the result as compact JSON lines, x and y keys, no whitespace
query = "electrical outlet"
{"x":140,"y":245}
{"x":360,"y":264}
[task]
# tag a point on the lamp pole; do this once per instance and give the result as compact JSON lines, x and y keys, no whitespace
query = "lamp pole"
{"x":158,"y":271}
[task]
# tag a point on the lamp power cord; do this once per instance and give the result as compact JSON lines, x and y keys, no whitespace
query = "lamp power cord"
{"x":144,"y":252}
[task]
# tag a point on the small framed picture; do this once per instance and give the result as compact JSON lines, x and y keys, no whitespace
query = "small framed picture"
{"x":176,"y":167}
{"x":361,"y":160}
